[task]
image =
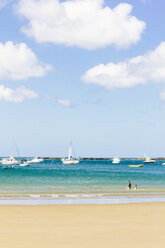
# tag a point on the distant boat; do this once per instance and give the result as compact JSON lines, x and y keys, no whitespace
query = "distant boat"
{"x":9,"y":163}
{"x":24,"y":164}
{"x":116,"y":161}
{"x":35,"y":160}
{"x":70,"y":159}
{"x":136,"y":165}
{"x":149,"y":160}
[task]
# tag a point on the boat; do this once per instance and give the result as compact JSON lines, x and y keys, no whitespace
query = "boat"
{"x":116,"y":161}
{"x":149,"y":160}
{"x":136,"y":165}
{"x":70,"y":159}
{"x":25,"y":163}
{"x":163,"y":163}
{"x":9,"y":163}
{"x":35,"y":160}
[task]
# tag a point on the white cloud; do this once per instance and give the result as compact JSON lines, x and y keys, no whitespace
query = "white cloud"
{"x":18,"y":62}
{"x":83,"y":23}
{"x":139,"y":70}
{"x":64,"y":102}
{"x":3,"y":3}
{"x":18,"y":95}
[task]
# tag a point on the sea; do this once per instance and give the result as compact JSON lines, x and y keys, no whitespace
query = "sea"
{"x":89,"y":182}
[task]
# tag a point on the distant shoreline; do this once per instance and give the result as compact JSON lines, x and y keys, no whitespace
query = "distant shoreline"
{"x":93,"y":158}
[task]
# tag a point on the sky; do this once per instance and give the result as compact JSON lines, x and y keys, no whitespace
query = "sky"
{"x":89,"y":70}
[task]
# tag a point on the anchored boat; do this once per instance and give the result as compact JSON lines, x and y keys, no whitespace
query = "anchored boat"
{"x":35,"y":160}
{"x":116,"y":161}
{"x":70,"y":159}
{"x":149,"y":160}
{"x":9,"y":163}
{"x":24,"y":164}
{"x":136,"y":165}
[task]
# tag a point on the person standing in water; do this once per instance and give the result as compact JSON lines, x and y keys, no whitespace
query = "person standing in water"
{"x":129,"y":185}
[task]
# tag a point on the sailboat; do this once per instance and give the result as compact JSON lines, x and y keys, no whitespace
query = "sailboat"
{"x":9,"y":163}
{"x":70,"y":159}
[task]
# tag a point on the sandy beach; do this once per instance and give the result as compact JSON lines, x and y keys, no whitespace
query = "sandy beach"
{"x":83,"y":226}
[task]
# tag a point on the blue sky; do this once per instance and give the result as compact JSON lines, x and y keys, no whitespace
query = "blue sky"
{"x":86,"y":69}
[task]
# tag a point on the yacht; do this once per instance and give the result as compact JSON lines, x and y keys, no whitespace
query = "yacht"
{"x":149,"y":160}
{"x":35,"y":160}
{"x":70,"y":159}
{"x":9,"y":161}
{"x":116,"y":161}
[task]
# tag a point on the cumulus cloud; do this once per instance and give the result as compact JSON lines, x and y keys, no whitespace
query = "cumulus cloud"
{"x":149,"y":67}
{"x":64,"y":102}
{"x":18,"y":95}
{"x":87,"y":24}
{"x":18,"y":62}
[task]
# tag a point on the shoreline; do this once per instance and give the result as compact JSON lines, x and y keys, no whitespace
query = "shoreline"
{"x":38,"y":199}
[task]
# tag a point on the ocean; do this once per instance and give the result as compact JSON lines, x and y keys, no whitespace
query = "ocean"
{"x":90,"y":181}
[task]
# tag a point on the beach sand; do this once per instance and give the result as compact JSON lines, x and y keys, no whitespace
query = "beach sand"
{"x":81,"y":226}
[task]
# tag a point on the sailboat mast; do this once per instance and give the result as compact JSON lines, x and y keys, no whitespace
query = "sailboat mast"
{"x":70,"y":150}
{"x":16,"y":147}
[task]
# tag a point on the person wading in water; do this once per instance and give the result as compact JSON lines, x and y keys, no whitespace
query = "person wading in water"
{"x":129,"y":185}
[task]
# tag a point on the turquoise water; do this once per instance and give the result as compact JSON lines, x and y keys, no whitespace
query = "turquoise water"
{"x":88,"y":179}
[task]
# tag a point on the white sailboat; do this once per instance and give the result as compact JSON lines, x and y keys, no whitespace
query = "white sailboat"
{"x":116,"y":161}
{"x":70,"y":159}
{"x":9,"y":163}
